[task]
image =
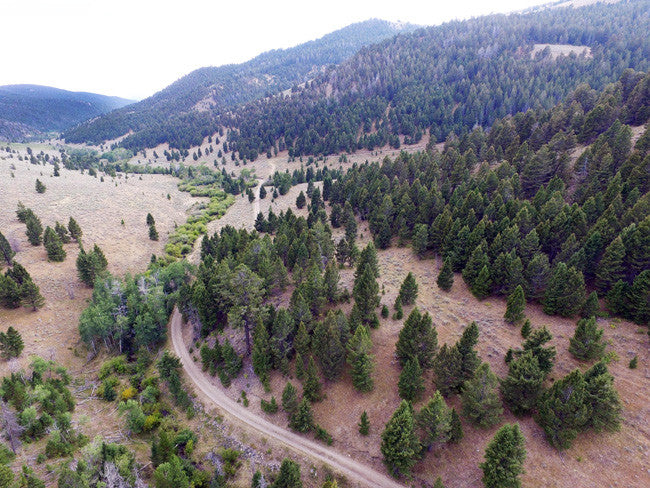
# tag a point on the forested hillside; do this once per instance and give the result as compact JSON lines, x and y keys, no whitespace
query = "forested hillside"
{"x":448,"y":78}
{"x":224,"y":87}
{"x":25,"y":108}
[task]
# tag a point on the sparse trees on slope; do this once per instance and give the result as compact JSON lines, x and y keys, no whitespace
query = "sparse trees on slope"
{"x":504,"y":458}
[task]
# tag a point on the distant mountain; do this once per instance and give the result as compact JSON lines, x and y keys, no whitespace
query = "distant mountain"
{"x":214,"y":89}
{"x":26,"y":109}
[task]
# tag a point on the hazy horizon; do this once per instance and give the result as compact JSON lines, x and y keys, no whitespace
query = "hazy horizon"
{"x":134,"y":49}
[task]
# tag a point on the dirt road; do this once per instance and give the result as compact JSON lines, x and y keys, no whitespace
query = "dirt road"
{"x":354,"y":471}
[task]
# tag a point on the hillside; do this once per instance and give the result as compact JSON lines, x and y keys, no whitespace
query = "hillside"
{"x":26,"y":109}
{"x":223,"y":87}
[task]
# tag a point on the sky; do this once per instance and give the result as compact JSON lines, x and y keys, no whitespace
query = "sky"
{"x":134,"y":48}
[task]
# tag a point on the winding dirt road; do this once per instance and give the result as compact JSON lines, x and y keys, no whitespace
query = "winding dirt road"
{"x":354,"y":471}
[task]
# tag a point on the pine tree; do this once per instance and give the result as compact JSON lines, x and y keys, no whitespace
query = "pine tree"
{"x":301,"y":200}
{"x":611,"y":266}
{"x":515,"y":307}
{"x":602,"y":399}
{"x":420,"y":240}
{"x":438,"y":483}
{"x":9,"y":292}
{"x":481,"y":402}
{"x":11,"y":343}
{"x":482,"y":286}
{"x":150,"y":220}
{"x":303,"y":419}
{"x":526,"y":329}
{"x":639,"y":298}
{"x":328,"y":347}
{"x":34,"y":230}
{"x":53,"y":246}
{"x":399,"y":444}
{"x":456,"y":432}
{"x":535,"y":344}
{"x":289,"y":475}
{"x":366,"y":294}
{"x":62,"y":232}
{"x":417,"y":339}
{"x":301,"y":341}
{"x":399,"y":311}
{"x":262,"y":192}
{"x":290,"y":399}
{"x":75,"y":230}
{"x":40,"y":187}
{"x":523,"y":385}
{"x":411,"y":383}
{"x":261,"y":354}
{"x":562,"y":410}
{"x":30,"y":296}
{"x":6,"y":252}
{"x":434,"y":422}
{"x":565,"y":293}
{"x":364,"y":424}
{"x":153,"y":233}
{"x":448,"y":369}
{"x":587,"y":342}
{"x":311,"y":387}
{"x":446,"y":276}
{"x":504,"y":458}
{"x":591,"y":306}
{"x":469,"y":359}
{"x":360,"y":359}
{"x":408,"y":291}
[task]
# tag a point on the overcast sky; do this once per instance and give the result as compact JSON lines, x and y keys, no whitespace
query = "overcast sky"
{"x":133,"y":48}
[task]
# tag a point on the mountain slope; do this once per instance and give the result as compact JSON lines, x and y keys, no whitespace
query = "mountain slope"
{"x":44,"y":109}
{"x":219,"y":88}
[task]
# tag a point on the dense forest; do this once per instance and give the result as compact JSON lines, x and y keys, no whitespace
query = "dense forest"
{"x":170,"y":115}
{"x":35,"y":108}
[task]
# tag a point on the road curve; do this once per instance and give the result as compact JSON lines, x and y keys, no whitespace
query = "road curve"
{"x":354,"y":471}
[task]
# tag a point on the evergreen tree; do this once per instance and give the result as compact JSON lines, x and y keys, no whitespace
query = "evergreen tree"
{"x":565,"y":293}
{"x":562,"y":410}
{"x":399,"y":444}
{"x":481,"y":402}
{"x":587,"y":342}
{"x":469,"y":359}
{"x":602,"y":399}
{"x":448,"y":369}
{"x":53,"y":246}
{"x":150,"y":220}
{"x":75,"y":230}
{"x":171,"y":475}
{"x":62,"y":232}
{"x":40,"y":187}
{"x":311,"y":387}
{"x":301,"y":201}
{"x":11,"y":343}
{"x":366,"y":294}
{"x":360,"y":359}
{"x":6,"y":252}
{"x":482,"y":286}
{"x":328,"y":347}
{"x":289,"y":475}
{"x":9,"y":292}
{"x":153,"y":233}
{"x":639,"y":298}
{"x":535,"y":344}
{"x":399,"y":311}
{"x":364,"y":424}
{"x":591,"y":306}
{"x":30,"y":296}
{"x":290,"y":399}
{"x":34,"y":230}
{"x":438,"y":483}
{"x":417,"y":339}
{"x":262,"y":192}
{"x":504,"y":458}
{"x":617,"y":298}
{"x":526,"y":329}
{"x":611,"y":266}
{"x":300,"y":367}
{"x":515,"y":306}
{"x":261,"y":355}
{"x":523,"y":385}
{"x":303,"y":419}
{"x":301,"y":341}
{"x":434,"y":422}
{"x":420,"y":240}
{"x":446,"y":276}
{"x":456,"y":432}
{"x":411,"y":383}
{"x":408,"y":291}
